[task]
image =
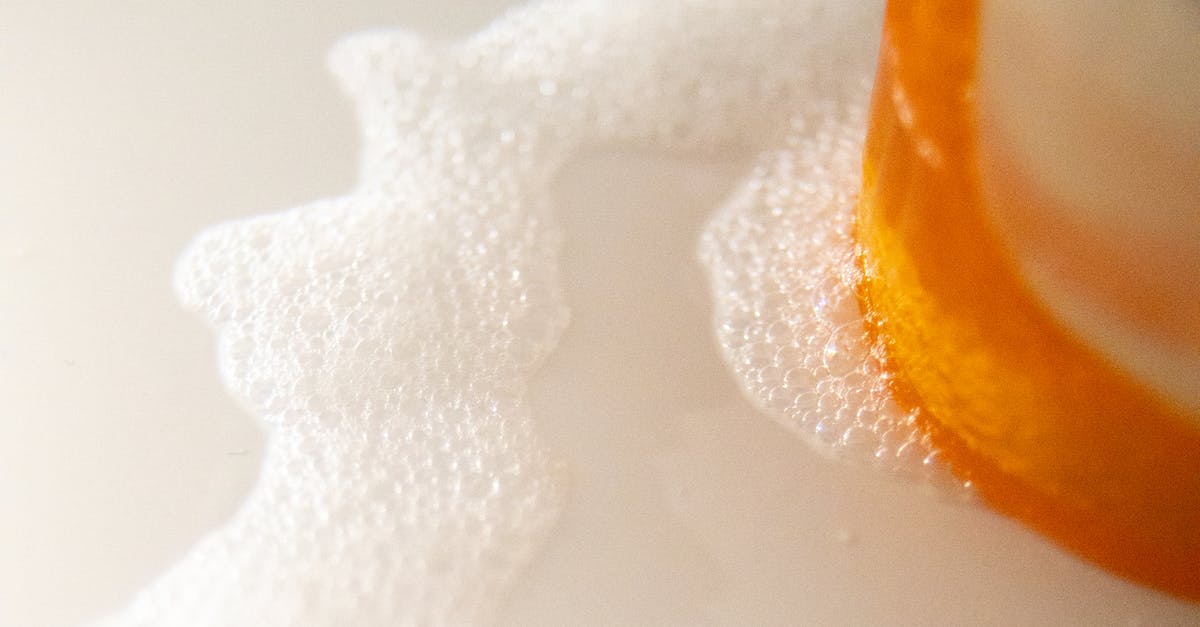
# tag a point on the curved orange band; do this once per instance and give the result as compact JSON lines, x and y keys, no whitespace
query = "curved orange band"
{"x":1046,"y":428}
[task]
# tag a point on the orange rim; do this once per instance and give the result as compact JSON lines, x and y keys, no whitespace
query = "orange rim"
{"x":1046,"y":428}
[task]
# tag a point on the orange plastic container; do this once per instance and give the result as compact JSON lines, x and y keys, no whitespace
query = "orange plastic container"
{"x":1048,"y":429}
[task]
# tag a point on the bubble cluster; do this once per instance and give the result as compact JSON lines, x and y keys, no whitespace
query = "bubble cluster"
{"x":386,"y":338}
{"x":782,"y":261}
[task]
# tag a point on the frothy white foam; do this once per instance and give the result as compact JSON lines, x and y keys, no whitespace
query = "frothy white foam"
{"x":386,"y":338}
{"x":782,"y":262}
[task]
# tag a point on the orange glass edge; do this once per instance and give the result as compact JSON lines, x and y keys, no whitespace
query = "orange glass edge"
{"x":1046,"y":429}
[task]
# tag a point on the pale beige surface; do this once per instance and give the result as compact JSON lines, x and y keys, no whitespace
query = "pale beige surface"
{"x":126,"y":129}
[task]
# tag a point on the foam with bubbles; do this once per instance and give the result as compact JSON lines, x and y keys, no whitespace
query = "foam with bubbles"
{"x":386,"y":338}
{"x":783,"y":267}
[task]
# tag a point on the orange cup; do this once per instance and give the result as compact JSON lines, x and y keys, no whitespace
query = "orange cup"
{"x":1050,"y":426}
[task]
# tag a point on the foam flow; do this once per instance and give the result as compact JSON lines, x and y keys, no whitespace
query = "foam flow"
{"x":782,"y":264}
{"x":386,"y":338}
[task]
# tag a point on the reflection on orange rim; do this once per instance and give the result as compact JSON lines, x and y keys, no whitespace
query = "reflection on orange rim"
{"x":1047,"y":429}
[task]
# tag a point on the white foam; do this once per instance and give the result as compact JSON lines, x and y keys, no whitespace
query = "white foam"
{"x":386,"y":338}
{"x":783,"y":266}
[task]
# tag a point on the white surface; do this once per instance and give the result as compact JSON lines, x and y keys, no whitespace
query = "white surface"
{"x":126,"y":129}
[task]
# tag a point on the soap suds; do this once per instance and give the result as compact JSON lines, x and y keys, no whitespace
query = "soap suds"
{"x":783,"y":266}
{"x":386,"y":338}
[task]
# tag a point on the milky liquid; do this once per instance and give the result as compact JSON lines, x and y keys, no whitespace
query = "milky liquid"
{"x":386,"y":338}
